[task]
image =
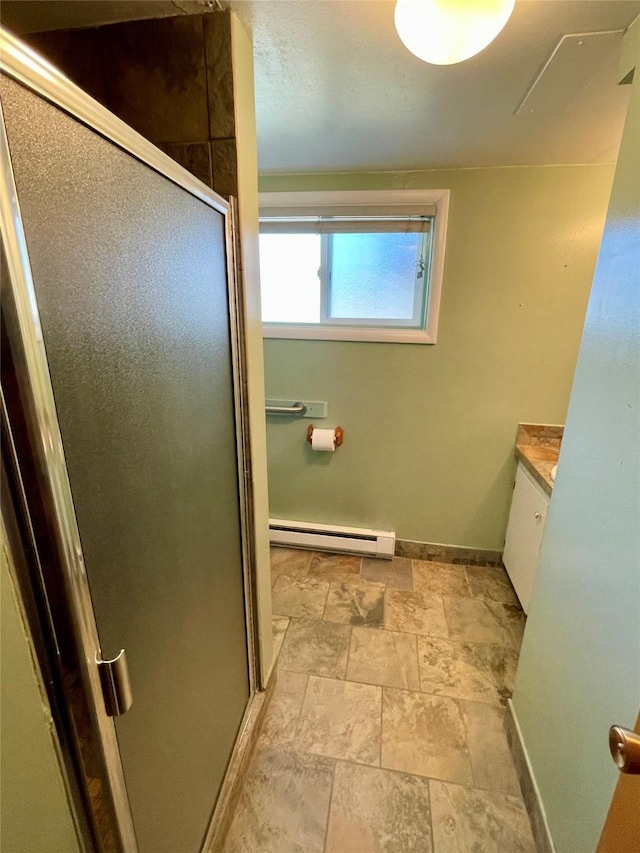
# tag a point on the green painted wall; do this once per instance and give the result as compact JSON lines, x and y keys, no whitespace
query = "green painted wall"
{"x":579,"y":670}
{"x":429,"y":430}
{"x":35,"y":812}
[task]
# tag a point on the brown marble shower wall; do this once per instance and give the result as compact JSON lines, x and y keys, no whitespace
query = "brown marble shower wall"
{"x":170,"y":78}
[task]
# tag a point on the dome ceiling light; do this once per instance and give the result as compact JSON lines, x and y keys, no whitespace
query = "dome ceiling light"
{"x":444,"y":32}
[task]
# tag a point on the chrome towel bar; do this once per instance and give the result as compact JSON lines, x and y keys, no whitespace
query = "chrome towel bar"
{"x":296,"y":409}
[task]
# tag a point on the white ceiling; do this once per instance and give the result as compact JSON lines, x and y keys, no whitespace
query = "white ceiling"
{"x":336,"y":90}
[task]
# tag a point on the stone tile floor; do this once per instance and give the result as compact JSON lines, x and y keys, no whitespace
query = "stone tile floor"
{"x":384,"y":733}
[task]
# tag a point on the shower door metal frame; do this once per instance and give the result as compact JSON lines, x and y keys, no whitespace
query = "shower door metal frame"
{"x":22,"y":64}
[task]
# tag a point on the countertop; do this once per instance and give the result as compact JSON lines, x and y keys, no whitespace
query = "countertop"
{"x":538,"y":461}
{"x":538,"y":448}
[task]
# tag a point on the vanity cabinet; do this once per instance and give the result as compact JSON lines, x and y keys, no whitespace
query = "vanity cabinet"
{"x":524,"y":534}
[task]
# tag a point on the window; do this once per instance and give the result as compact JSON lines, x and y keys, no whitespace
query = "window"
{"x":352,"y":266}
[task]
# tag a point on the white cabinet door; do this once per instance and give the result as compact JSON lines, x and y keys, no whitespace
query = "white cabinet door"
{"x":524,"y":534}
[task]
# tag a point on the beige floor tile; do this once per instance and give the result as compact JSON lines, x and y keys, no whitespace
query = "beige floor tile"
{"x":459,"y":670}
{"x":279,"y":625}
{"x":491,"y":760}
{"x":281,"y":718}
{"x":476,"y":621}
{"x":301,"y":597}
{"x":318,"y":648}
{"x":492,"y":583}
{"x":355,"y":602}
{"x":425,"y":735}
{"x":387,"y":658}
{"x":283,"y":806}
{"x":517,"y":621}
{"x":395,"y":573}
{"x":503,"y":664}
{"x":439,"y":578}
{"x":334,"y":567}
{"x":415,"y":612}
{"x":289,"y":561}
{"x":466,"y":819}
{"x":376,"y":673}
{"x":340,"y":719}
{"x":378,"y":811}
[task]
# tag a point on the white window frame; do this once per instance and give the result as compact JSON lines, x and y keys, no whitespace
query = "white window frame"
{"x":371,"y":198}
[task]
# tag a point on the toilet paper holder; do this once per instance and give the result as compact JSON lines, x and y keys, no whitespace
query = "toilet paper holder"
{"x":338,"y":431}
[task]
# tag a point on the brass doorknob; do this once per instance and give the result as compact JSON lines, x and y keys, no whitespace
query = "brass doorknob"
{"x":625,"y":749}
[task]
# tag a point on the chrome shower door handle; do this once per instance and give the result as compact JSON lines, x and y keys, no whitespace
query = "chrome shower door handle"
{"x":625,"y":749}
{"x":116,"y":685}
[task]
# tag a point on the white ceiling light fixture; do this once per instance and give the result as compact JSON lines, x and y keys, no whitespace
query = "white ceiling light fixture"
{"x":444,"y":32}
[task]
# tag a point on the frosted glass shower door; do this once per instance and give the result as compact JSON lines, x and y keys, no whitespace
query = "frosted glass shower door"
{"x":131,"y":284}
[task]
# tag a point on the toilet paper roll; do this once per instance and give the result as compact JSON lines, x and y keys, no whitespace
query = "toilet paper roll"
{"x":323,"y":439}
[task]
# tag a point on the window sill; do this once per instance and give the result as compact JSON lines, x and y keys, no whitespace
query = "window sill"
{"x":346,"y":333}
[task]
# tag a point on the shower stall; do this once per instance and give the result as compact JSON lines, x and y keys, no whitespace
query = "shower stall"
{"x":123,"y":419}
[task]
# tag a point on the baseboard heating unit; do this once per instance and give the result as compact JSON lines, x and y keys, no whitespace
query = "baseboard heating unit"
{"x":329,"y":537}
